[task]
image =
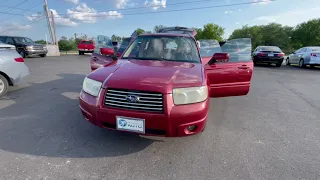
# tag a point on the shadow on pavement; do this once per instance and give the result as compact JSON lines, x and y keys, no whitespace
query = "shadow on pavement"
{"x":43,"y":122}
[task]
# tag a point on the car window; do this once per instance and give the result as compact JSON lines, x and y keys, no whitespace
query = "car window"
{"x":315,"y":49}
{"x":299,"y":50}
{"x":169,"y":48}
{"x":125,"y":43}
{"x":101,"y":42}
{"x":9,"y":40}
{"x":209,"y":47}
{"x":238,"y":49}
{"x":270,"y":48}
{"x":2,"y":39}
{"x":86,"y":42}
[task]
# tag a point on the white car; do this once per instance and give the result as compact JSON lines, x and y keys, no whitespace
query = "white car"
{"x":305,"y":56}
{"x":12,"y":67}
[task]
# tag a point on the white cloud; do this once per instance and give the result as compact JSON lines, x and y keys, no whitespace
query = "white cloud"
{"x":85,"y":14}
{"x":34,"y":17}
{"x":156,"y":4}
{"x":262,"y":2}
{"x":239,"y":9}
{"x":62,"y":21}
{"x":73,"y":1}
{"x":237,"y":23}
{"x":228,"y":12}
{"x":290,"y":18}
{"x":121,"y":3}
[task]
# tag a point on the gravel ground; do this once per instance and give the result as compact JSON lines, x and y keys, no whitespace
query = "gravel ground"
{"x":273,"y":133}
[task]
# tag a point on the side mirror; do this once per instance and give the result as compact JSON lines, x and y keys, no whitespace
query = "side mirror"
{"x":219,"y":57}
{"x":107,"y":51}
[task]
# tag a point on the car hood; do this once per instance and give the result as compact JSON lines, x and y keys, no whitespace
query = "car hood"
{"x":158,"y":76}
{"x":2,"y":45}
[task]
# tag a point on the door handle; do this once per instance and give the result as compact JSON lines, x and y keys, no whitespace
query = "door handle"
{"x":95,"y":59}
{"x":243,"y":67}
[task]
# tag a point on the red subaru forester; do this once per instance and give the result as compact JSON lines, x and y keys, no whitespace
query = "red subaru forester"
{"x":162,"y":86}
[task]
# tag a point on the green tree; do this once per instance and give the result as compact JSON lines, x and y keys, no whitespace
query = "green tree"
{"x":307,"y":34}
{"x":65,"y":45}
{"x":210,"y":31}
{"x":41,"y":41}
{"x":157,"y":27}
{"x":140,"y":31}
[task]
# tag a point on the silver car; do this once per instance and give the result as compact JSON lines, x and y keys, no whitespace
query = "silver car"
{"x":305,"y":56}
{"x":12,"y":67}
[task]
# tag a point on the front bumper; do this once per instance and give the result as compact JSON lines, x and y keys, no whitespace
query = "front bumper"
{"x":86,"y":50}
{"x":268,"y":59}
{"x":36,"y":52}
{"x":172,"y":123}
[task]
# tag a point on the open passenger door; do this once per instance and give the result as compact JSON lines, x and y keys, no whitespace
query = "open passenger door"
{"x":231,"y":77}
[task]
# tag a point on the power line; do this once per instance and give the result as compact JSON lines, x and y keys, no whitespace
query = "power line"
{"x":16,"y":27}
{"x":145,"y":7}
{"x":13,"y":7}
{"x":29,"y":9}
{"x":175,"y":10}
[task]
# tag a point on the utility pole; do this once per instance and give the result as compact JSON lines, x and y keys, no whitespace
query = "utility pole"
{"x":54,"y":29}
{"x":46,"y":10}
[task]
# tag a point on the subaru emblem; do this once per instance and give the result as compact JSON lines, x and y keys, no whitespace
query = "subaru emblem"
{"x":132,"y":98}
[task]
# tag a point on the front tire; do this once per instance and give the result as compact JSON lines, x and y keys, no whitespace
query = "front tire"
{"x":80,"y":52}
{"x":43,"y":55}
{"x":301,"y":63}
{"x":288,"y":62}
{"x":4,"y":85}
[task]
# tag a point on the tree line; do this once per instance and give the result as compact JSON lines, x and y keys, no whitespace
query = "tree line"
{"x":286,"y":37}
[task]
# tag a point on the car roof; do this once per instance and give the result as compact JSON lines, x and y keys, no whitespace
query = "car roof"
{"x":13,"y":36}
{"x":167,"y":34}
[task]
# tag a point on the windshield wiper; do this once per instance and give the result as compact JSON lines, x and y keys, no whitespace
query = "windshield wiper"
{"x":143,"y":58}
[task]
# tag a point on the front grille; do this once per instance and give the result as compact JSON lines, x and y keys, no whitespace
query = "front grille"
{"x":37,"y":48}
{"x":145,"y":101}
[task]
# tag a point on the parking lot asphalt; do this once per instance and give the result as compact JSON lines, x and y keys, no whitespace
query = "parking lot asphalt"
{"x":272,"y":133}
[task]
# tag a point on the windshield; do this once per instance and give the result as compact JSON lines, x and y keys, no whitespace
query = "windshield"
{"x":22,"y":40}
{"x":315,"y":49}
{"x":125,"y":43}
{"x":269,"y":48}
{"x":86,"y":42}
{"x":169,"y":48}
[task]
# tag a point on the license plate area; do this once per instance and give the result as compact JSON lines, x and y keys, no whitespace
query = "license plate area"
{"x":270,"y":55}
{"x":130,"y":124}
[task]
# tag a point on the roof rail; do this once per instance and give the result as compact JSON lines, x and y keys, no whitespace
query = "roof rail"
{"x":178,"y":30}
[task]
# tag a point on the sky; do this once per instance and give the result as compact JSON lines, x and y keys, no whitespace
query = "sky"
{"x":122,"y":17}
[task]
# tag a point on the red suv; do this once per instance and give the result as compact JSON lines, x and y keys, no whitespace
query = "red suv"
{"x":162,"y":86}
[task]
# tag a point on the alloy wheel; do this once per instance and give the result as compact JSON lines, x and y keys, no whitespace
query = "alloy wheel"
{"x":1,"y":86}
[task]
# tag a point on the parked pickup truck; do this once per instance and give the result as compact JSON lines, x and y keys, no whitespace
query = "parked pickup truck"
{"x":86,"y":47}
{"x":25,"y":46}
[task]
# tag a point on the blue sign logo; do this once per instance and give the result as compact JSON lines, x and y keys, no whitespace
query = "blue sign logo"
{"x":122,"y":123}
{"x":132,"y":98}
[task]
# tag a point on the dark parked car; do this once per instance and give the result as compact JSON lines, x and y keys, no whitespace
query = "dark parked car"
{"x":269,"y":55}
{"x":25,"y":46}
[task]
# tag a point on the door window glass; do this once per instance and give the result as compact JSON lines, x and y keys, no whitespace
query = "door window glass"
{"x":10,"y":40}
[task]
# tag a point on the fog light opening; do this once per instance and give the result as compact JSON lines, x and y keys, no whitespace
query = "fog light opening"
{"x":192,"y":128}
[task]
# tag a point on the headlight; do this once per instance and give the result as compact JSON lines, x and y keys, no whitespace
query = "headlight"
{"x":44,"y":47}
{"x":189,"y":95}
{"x":13,"y":48}
{"x":91,"y":87}
{"x":29,"y":47}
